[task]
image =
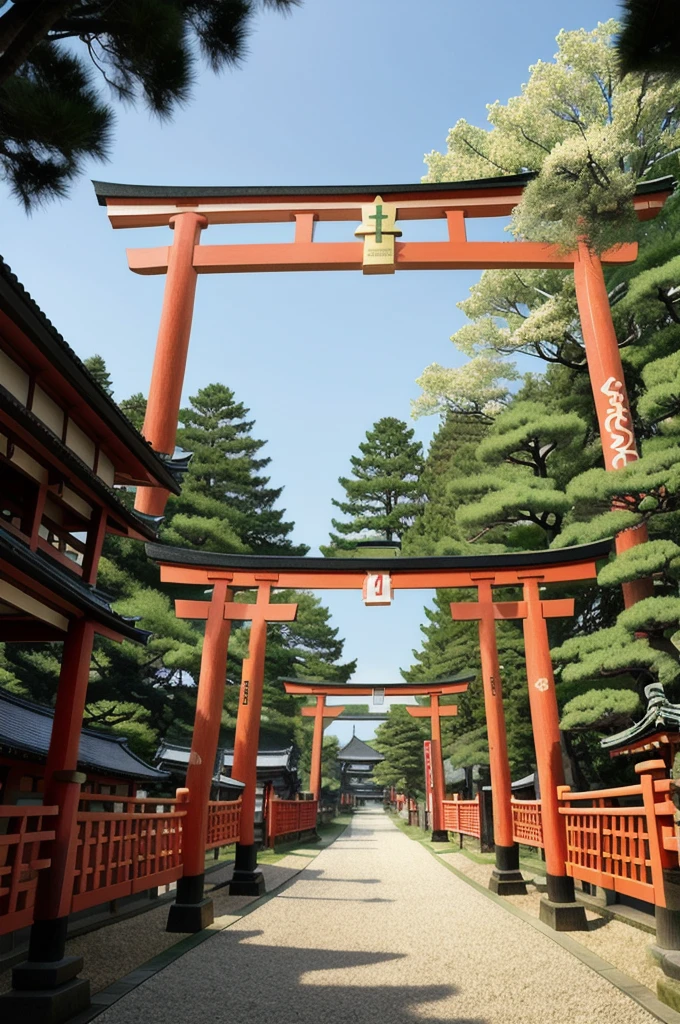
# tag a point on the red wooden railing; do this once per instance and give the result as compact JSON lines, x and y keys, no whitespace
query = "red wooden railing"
{"x":462,"y":816}
{"x":288,"y":816}
{"x":121,"y":852}
{"x":24,"y":829}
{"x":527,"y":824}
{"x":224,"y":823}
{"x":623,"y":848}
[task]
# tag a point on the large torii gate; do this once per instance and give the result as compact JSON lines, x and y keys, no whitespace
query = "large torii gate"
{"x":226,"y":573}
{"x":434,"y":690}
{"x":379,"y":208}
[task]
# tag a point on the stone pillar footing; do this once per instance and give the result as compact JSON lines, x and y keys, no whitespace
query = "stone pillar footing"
{"x":507,"y":883}
{"x":247,"y":883}
{"x":191,"y":917}
{"x":45,"y":1005}
{"x":439,"y":835}
{"x":668,"y":960}
{"x":563,"y":917}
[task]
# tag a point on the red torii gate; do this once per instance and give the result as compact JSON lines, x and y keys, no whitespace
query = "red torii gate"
{"x":522,"y":569}
{"x":190,"y":210}
{"x":434,"y":690}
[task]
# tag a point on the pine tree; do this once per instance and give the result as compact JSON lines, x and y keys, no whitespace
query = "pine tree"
{"x":53,"y":119}
{"x":97,"y":367}
{"x":400,"y":739}
{"x":226,"y":503}
{"x":384,"y":494}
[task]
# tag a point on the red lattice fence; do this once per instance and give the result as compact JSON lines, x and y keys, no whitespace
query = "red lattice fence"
{"x":224,"y":823}
{"x":127,"y":850}
{"x":23,"y":830}
{"x":624,"y":848}
{"x":527,"y":824}
{"x":287,"y":817}
{"x":462,"y":816}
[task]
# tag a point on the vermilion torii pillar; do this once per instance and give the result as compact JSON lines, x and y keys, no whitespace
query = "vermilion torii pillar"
{"x":609,"y":390}
{"x":435,"y":712}
{"x":191,"y":911}
{"x":247,"y":880}
{"x":560,"y":909}
{"x":506,"y":878}
{"x":320,"y":714}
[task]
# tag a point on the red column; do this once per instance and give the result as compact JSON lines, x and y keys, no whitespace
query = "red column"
{"x":62,"y":779}
{"x":609,"y":389}
{"x":317,"y":748}
{"x":191,"y":912}
{"x":438,"y":782}
{"x":247,"y":880}
{"x":167,"y":378}
{"x":501,"y":781}
{"x":546,"y":729}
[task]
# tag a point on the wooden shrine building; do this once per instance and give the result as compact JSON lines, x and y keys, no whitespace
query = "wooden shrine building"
{"x":65,"y":447}
{"x":357,"y":761}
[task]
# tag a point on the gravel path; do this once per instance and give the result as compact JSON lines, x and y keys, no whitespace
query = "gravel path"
{"x":376,"y":930}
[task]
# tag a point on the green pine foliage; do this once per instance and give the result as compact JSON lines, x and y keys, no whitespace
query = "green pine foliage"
{"x":58,"y":61}
{"x":384,"y":493}
{"x":400,"y":739}
{"x":97,"y":368}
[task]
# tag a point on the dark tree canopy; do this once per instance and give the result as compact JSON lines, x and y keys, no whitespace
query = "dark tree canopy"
{"x":52,"y":116}
{"x":650,"y":36}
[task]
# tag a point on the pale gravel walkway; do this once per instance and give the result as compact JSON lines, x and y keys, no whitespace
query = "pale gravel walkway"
{"x":375,"y":930}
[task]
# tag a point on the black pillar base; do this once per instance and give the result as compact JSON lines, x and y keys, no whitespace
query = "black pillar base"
{"x":439,"y":835}
{"x":191,"y":911}
{"x":246,"y":879}
{"x":559,"y":909}
{"x":47,"y":992}
{"x":506,"y":878}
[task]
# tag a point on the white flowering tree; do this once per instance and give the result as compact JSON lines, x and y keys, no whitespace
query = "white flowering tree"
{"x":591,"y":134}
{"x":476,"y":389}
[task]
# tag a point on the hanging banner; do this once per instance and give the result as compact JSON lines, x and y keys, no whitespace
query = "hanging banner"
{"x":377,"y":588}
{"x":429,"y":780}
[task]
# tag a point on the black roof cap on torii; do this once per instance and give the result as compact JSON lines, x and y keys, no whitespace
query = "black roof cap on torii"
{"x":272,"y":563}
{"x":111,"y":190}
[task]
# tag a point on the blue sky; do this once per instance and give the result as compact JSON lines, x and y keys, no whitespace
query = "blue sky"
{"x":341,"y":92}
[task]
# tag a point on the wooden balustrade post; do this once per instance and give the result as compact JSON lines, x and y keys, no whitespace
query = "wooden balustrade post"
{"x":46,"y":986}
{"x":192,"y":911}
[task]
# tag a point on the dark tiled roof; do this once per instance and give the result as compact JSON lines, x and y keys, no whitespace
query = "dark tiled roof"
{"x":27,"y":727}
{"x":34,"y":426}
{"x":175,"y":756}
{"x":29,"y":317}
{"x":111,"y":190}
{"x":263,"y":563}
{"x":44,"y":570}
{"x":357,"y":750}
